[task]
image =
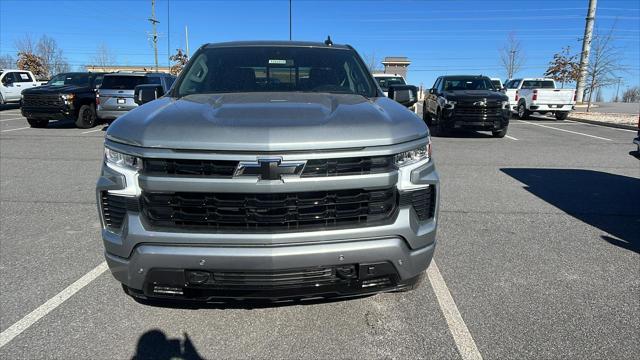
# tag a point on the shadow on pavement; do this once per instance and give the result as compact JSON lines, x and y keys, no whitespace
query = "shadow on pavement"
{"x":10,"y":106}
{"x":607,"y":201}
{"x":155,"y":345}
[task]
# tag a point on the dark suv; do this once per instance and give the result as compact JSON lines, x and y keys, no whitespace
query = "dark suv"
{"x":115,"y":96}
{"x":466,"y":102}
{"x":65,"y":96}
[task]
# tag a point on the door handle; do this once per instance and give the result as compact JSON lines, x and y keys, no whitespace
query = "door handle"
{"x":17,"y":85}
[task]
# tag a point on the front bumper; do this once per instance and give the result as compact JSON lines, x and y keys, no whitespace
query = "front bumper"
{"x":50,"y":113}
{"x":142,"y":257}
{"x":455,"y":119}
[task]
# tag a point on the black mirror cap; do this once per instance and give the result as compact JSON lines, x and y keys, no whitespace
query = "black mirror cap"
{"x":142,"y":94}
{"x":406,"y":95}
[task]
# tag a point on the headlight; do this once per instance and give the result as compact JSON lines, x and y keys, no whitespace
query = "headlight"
{"x":122,"y":160}
{"x":68,"y":97}
{"x":413,"y":156}
{"x":505,"y":104}
{"x":449,"y":104}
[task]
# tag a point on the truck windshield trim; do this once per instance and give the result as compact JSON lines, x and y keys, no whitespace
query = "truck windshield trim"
{"x":275,"y":69}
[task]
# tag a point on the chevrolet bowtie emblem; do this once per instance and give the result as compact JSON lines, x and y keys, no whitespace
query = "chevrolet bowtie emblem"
{"x":269,"y":169}
{"x":481,"y":103}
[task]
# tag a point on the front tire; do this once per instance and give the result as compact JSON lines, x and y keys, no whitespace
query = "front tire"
{"x":38,"y":123}
{"x":562,"y":115}
{"x":438,"y":129}
{"x":426,"y":117}
{"x":523,"y":113}
{"x":87,"y":117}
{"x":499,"y":133}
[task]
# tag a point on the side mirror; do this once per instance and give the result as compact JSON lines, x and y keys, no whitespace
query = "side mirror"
{"x":432,"y":91}
{"x":142,"y":94}
{"x":406,"y":95}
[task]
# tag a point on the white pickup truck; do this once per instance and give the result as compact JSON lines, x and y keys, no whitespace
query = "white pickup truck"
{"x":12,"y":82}
{"x":539,"y":95}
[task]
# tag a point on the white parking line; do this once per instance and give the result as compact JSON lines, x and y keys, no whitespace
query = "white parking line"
{"x":22,"y":128}
{"x":12,"y":119}
{"x":461,"y":335}
{"x":510,"y":137}
{"x":603,"y":126}
{"x":569,"y":131}
{"x":37,"y":314}
{"x":90,"y":131}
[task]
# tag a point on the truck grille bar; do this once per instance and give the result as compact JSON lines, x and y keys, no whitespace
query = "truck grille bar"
{"x":285,"y":211}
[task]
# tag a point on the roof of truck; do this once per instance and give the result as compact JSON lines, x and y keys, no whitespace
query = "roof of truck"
{"x":276,"y":43}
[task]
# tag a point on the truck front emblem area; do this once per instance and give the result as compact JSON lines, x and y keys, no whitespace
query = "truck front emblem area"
{"x":269,"y":169}
{"x":481,"y":103}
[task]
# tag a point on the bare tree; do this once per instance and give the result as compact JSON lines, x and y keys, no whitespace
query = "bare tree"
{"x":54,"y":61}
{"x":103,"y":57}
{"x":564,"y":67}
{"x":25,"y":45}
{"x":512,"y":57}
{"x":372,"y":62}
{"x":631,"y":95}
{"x":179,"y":60}
{"x":7,"y":61}
{"x":603,"y":65}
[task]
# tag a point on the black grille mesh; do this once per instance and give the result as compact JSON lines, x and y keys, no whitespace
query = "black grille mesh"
{"x":114,"y":208}
{"x":285,"y":211}
{"x":423,"y":201}
{"x":41,"y":100}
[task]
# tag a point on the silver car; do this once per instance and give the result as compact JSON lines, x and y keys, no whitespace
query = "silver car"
{"x":270,"y":170}
{"x":115,"y":96}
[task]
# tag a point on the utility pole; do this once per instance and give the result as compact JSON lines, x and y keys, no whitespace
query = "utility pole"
{"x":618,"y":89}
{"x":586,"y":49}
{"x":186,"y":36}
{"x":512,"y":60}
{"x":154,"y":38}
{"x":290,"y":28}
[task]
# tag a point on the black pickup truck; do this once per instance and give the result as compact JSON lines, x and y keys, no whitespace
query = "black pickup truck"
{"x":466,"y":102}
{"x":65,"y":96}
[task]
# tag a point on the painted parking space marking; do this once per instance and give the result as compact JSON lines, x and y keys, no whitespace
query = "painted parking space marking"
{"x":12,"y":119}
{"x":22,"y":128}
{"x":91,"y":131}
{"x":42,"y":310}
{"x":461,"y":335}
{"x":565,"y":130}
{"x":510,"y":137}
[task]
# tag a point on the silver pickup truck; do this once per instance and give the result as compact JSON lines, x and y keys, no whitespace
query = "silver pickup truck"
{"x":270,"y":170}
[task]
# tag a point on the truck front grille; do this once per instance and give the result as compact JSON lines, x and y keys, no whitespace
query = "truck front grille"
{"x":226,"y":169}
{"x":477,"y":113}
{"x":41,"y":100}
{"x":279,"y":211}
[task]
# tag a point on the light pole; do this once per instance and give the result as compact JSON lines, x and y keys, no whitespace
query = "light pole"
{"x":618,"y":89}
{"x":290,"y":20}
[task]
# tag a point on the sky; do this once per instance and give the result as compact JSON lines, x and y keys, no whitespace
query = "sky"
{"x":439,"y":37}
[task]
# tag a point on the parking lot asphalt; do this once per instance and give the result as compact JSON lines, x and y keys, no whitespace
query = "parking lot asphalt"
{"x":538,"y":245}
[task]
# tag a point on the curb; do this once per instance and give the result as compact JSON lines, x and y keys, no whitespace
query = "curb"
{"x":601,"y":123}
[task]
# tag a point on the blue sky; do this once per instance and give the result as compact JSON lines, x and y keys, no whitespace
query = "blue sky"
{"x":438,"y":36}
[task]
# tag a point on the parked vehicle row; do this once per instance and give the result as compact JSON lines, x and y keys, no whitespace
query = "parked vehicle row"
{"x":86,"y":98}
{"x":13,"y":82}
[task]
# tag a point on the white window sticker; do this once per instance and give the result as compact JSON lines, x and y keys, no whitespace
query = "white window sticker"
{"x":277,"y":61}
{"x":24,"y":76}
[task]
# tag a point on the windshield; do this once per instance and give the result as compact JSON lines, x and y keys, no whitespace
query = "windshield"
{"x":453,"y":84}
{"x":538,"y":84}
{"x":78,"y":79}
{"x":386,"y":81}
{"x":121,"y":82}
{"x":270,"y":69}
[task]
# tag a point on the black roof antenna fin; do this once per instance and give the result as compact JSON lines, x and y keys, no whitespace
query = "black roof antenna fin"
{"x":328,"y":42}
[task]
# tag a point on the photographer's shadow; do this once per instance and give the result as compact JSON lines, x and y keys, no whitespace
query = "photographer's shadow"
{"x":155,"y":345}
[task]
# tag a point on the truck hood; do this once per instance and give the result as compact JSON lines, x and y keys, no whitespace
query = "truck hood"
{"x":49,"y":89}
{"x":267,"y":122}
